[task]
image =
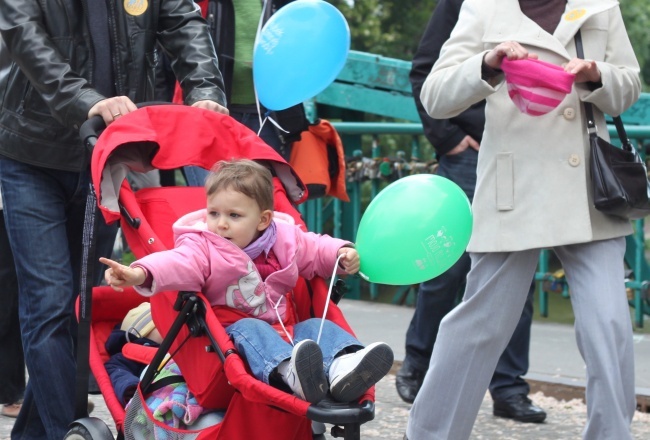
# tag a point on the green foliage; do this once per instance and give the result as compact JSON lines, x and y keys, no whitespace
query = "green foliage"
{"x":636,"y":14}
{"x":387,"y":27}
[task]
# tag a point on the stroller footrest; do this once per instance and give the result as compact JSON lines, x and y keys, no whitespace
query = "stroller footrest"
{"x":337,"y":413}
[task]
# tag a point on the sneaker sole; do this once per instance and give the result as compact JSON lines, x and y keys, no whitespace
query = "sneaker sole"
{"x":309,"y":369}
{"x":375,"y":365}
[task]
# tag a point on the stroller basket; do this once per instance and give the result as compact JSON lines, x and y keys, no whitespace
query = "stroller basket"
{"x":140,"y":424}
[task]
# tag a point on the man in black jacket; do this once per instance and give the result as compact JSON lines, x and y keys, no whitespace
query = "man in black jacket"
{"x":457,"y":142}
{"x":71,"y":60}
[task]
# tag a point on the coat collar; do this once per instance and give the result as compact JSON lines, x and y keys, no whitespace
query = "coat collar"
{"x":509,"y":23}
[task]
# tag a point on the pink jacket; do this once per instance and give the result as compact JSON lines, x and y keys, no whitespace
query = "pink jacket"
{"x":203,"y":261}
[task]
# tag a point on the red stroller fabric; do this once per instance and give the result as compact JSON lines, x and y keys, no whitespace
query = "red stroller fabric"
{"x":110,"y":308}
{"x":167,"y":137}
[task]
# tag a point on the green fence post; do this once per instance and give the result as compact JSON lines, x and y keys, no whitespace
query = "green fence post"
{"x":351,"y":213}
{"x":540,"y":276}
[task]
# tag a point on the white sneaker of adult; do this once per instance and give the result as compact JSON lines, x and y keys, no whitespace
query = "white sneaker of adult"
{"x":352,"y":374}
{"x":304,"y":374}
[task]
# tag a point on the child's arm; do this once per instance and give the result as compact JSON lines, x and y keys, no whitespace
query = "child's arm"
{"x":119,"y":276}
{"x":350,"y":259}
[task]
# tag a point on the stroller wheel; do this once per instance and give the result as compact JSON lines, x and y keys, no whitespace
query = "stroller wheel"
{"x":89,"y":428}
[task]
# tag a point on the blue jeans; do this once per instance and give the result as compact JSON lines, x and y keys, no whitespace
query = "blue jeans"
{"x":263,"y":348}
{"x":44,"y":215}
{"x":438,"y":296}
{"x":460,"y":169}
{"x":195,"y":176}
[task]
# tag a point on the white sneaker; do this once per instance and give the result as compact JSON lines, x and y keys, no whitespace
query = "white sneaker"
{"x":352,"y":374}
{"x":305,"y":375}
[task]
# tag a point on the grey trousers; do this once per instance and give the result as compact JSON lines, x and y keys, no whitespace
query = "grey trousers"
{"x":474,"y":334}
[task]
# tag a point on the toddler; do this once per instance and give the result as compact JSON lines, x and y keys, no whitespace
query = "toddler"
{"x":246,"y":259}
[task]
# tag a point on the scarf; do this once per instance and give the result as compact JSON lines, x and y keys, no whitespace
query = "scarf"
{"x":263,"y":244}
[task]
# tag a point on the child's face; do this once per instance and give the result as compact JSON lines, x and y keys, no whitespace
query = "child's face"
{"x":236,"y":217}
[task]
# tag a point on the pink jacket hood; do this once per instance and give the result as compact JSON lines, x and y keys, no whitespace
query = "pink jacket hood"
{"x":204,"y":261}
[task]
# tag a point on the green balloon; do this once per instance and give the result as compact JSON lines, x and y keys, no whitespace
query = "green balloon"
{"x":414,"y":230}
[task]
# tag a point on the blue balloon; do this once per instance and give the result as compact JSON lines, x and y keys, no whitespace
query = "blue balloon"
{"x":299,"y":52}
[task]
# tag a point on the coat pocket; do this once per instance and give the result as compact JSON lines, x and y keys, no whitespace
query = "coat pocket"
{"x":505,"y":182}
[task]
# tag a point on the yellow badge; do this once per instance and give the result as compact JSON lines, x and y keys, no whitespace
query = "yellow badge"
{"x":575,"y":14}
{"x":135,"y":7}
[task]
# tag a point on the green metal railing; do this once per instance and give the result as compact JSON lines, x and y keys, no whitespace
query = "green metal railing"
{"x":345,"y":218}
{"x":371,"y":84}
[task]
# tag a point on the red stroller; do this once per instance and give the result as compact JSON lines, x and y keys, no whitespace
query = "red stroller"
{"x":167,"y":137}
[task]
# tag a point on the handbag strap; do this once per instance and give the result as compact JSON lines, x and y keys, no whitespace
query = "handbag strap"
{"x":591,"y":121}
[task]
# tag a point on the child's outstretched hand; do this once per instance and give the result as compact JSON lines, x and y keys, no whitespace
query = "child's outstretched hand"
{"x":350,"y":260}
{"x":119,"y":276}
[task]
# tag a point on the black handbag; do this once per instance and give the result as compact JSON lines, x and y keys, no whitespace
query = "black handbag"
{"x":619,"y":177}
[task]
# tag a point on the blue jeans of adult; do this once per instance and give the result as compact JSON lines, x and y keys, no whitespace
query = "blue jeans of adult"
{"x":195,"y":176}
{"x":438,"y":296}
{"x":263,"y":348}
{"x":44,"y":214}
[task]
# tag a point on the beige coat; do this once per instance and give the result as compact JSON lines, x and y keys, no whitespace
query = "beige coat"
{"x":532,"y":188}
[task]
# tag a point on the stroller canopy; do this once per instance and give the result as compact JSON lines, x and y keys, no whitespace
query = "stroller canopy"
{"x":171,"y":136}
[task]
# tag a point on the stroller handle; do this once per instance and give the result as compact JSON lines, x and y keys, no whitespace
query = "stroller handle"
{"x":92,"y":128}
{"x":89,"y":131}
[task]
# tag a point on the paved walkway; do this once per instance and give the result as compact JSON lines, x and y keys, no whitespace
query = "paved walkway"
{"x":554,"y":360}
{"x":554,"y":355}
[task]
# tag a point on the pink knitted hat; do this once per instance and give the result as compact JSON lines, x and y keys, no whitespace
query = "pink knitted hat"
{"x":536,"y":87}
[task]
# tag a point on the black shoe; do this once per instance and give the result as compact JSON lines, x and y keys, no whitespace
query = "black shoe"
{"x":408,"y":381}
{"x":520,"y":408}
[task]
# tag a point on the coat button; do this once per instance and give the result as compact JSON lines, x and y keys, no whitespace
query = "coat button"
{"x":569,"y":113}
{"x":574,"y":160}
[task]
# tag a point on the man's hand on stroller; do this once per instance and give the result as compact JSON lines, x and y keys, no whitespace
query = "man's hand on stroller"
{"x":112,"y":108}
{"x":211,"y":105}
{"x":119,"y":276}
{"x":349,"y":260}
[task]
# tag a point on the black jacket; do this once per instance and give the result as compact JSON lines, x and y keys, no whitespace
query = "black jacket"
{"x":444,"y":134}
{"x":49,"y":89}
{"x":123,"y":372}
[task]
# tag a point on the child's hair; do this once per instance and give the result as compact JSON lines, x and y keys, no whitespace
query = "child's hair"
{"x":244,"y":176}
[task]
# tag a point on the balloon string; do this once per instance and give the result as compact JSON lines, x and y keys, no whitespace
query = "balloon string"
{"x":272,"y":121}
{"x":257,"y":36}
{"x":327,"y":300}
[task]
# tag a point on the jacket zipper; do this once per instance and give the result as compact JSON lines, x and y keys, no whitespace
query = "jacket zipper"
{"x":21,"y":107}
{"x":91,"y":46}
{"x":117,"y":69}
{"x":212,"y":21}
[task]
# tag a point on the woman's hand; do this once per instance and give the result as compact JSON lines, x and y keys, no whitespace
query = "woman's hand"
{"x":112,"y":108}
{"x":584,"y":70}
{"x":119,"y":276}
{"x":349,"y":260}
{"x":508,"y":49}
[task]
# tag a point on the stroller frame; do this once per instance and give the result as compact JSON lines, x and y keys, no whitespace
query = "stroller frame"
{"x":346,"y":418}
